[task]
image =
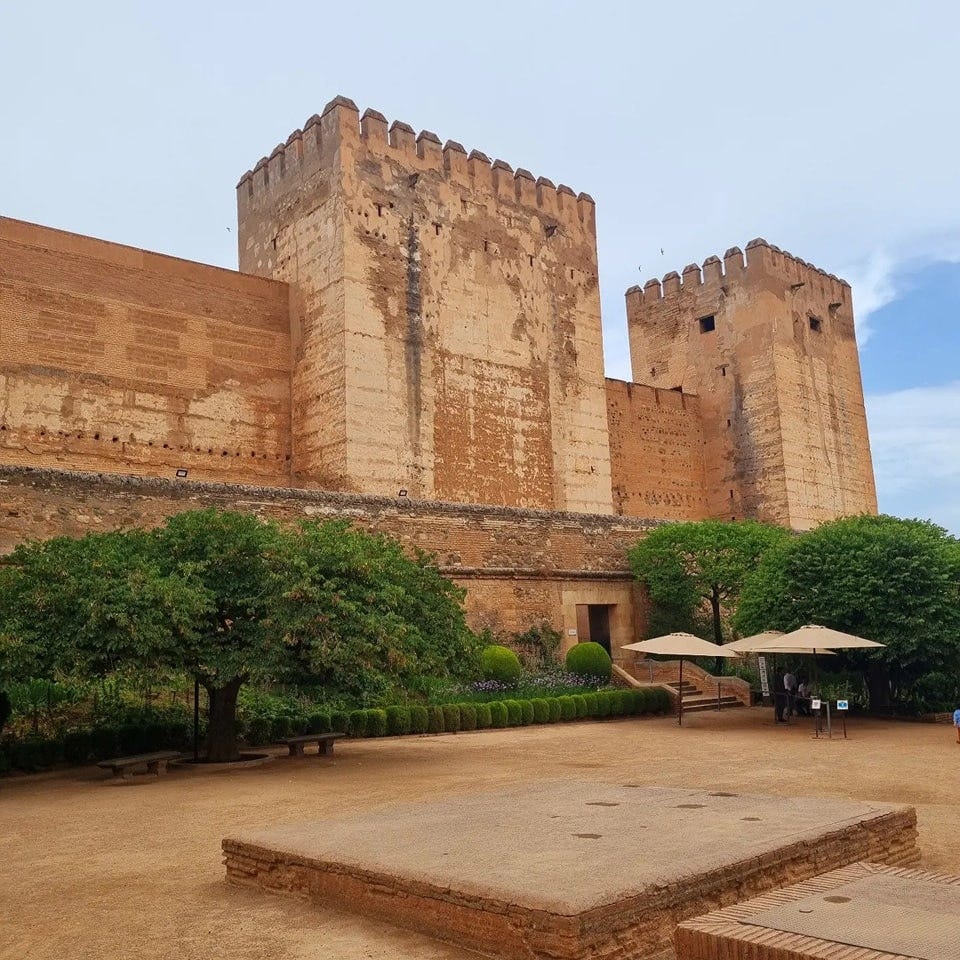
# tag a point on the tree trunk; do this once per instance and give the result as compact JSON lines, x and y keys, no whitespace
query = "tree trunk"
{"x":717,"y":627}
{"x":878,"y":687}
{"x":222,"y":722}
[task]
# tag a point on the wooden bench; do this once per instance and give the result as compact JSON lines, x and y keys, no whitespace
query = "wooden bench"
{"x":156,"y":764}
{"x":324,"y":742}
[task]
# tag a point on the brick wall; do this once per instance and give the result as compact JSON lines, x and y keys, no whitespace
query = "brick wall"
{"x":520,"y":567}
{"x":119,"y":360}
{"x":767,"y":342}
{"x":450,"y":305}
{"x":656,"y":452}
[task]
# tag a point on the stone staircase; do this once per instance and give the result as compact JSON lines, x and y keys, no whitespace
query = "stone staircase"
{"x":697,"y":700}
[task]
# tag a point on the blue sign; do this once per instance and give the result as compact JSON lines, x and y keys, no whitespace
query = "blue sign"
{"x":842,"y":705}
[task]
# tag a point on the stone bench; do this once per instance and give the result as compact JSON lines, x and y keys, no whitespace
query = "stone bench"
{"x":123,"y":768}
{"x":324,"y":742}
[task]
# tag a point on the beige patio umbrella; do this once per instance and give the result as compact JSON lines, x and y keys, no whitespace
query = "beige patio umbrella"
{"x":681,"y":645}
{"x":770,"y":641}
{"x":816,"y":638}
{"x":749,"y":644}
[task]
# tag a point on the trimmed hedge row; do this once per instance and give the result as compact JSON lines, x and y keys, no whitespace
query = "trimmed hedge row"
{"x":89,"y":745}
{"x":101,"y":743}
{"x":453,"y":717}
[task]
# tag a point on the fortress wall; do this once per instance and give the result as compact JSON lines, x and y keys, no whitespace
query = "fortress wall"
{"x":290,"y":223}
{"x":520,"y":567}
{"x":785,"y":434}
{"x":656,"y":452}
{"x":469,"y":311}
{"x":119,"y":360}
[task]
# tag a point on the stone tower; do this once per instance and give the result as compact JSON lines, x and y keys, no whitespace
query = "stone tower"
{"x":767,"y":342}
{"x":446,"y":316}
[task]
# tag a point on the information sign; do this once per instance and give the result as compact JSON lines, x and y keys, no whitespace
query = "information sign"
{"x":764,"y":680}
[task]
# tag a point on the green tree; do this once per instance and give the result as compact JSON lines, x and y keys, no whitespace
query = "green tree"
{"x":231,"y":599}
{"x":686,"y":566}
{"x":89,"y":606}
{"x":363,"y":616}
{"x":891,"y":580}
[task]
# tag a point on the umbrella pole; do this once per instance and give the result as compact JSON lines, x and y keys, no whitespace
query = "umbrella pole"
{"x":680,"y":697}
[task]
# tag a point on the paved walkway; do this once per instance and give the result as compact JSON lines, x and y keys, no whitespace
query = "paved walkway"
{"x":88,"y":870}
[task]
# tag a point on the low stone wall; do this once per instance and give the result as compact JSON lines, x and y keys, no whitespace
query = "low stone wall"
{"x":637,"y":928}
{"x":734,"y":933}
{"x":647,"y":670}
{"x":520,"y":567}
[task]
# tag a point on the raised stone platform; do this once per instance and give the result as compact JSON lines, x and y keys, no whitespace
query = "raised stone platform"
{"x":567,"y":870}
{"x":862,"y":912}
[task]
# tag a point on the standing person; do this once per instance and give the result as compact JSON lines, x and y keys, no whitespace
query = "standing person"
{"x":790,"y":685}
{"x":956,"y":723}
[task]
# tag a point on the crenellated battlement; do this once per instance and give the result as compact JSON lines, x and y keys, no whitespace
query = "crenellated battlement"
{"x":761,"y":259}
{"x":317,"y":144}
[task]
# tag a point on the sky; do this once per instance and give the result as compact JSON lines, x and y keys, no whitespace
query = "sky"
{"x":828,"y":128}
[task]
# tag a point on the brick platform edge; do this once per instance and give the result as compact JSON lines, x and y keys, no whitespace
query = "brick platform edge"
{"x":728,"y":934}
{"x":638,"y":928}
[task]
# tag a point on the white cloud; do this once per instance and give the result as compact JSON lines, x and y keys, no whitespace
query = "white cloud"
{"x":915,"y":439}
{"x":874,"y":286}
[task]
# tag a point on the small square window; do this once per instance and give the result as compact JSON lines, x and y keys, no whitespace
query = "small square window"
{"x":815,"y":324}
{"x":707,"y":324}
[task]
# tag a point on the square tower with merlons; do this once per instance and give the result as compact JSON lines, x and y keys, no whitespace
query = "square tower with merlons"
{"x":767,"y":342}
{"x":445,"y":316}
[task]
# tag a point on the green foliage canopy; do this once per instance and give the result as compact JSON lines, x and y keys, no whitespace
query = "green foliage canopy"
{"x":685,"y":565}
{"x":230,"y":597}
{"x":891,"y":580}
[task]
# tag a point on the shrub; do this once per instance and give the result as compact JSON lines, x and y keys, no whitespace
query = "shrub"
{"x":339,"y":721}
{"x":105,"y":743}
{"x":618,"y":706}
{"x":398,"y":721}
{"x":484,"y":720}
{"x":603,"y":704}
{"x":136,"y":738}
{"x":553,"y":709}
{"x":258,"y":731}
{"x":638,"y":702}
{"x":35,"y":753}
{"x":579,"y":705}
{"x":659,"y":701}
{"x":498,"y":713}
{"x":593,"y":704}
{"x":357,"y":723}
{"x":526,"y":712}
{"x":77,"y":746}
{"x":319,"y":722}
{"x":419,"y":719}
{"x":281,"y":727}
{"x":434,"y":719}
{"x":178,"y":734}
{"x":6,"y":708}
{"x":541,"y":710}
{"x":621,"y":703}
{"x":451,"y":717}
{"x":376,"y":723}
{"x":567,"y":709}
{"x":514,"y":713}
{"x":500,"y":664}
{"x":468,"y":716}
{"x":589,"y":660}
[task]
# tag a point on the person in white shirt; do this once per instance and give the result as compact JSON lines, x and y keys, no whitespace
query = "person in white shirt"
{"x":790,"y":685}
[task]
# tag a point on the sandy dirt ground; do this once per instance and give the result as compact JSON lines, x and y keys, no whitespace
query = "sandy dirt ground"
{"x":89,"y":870}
